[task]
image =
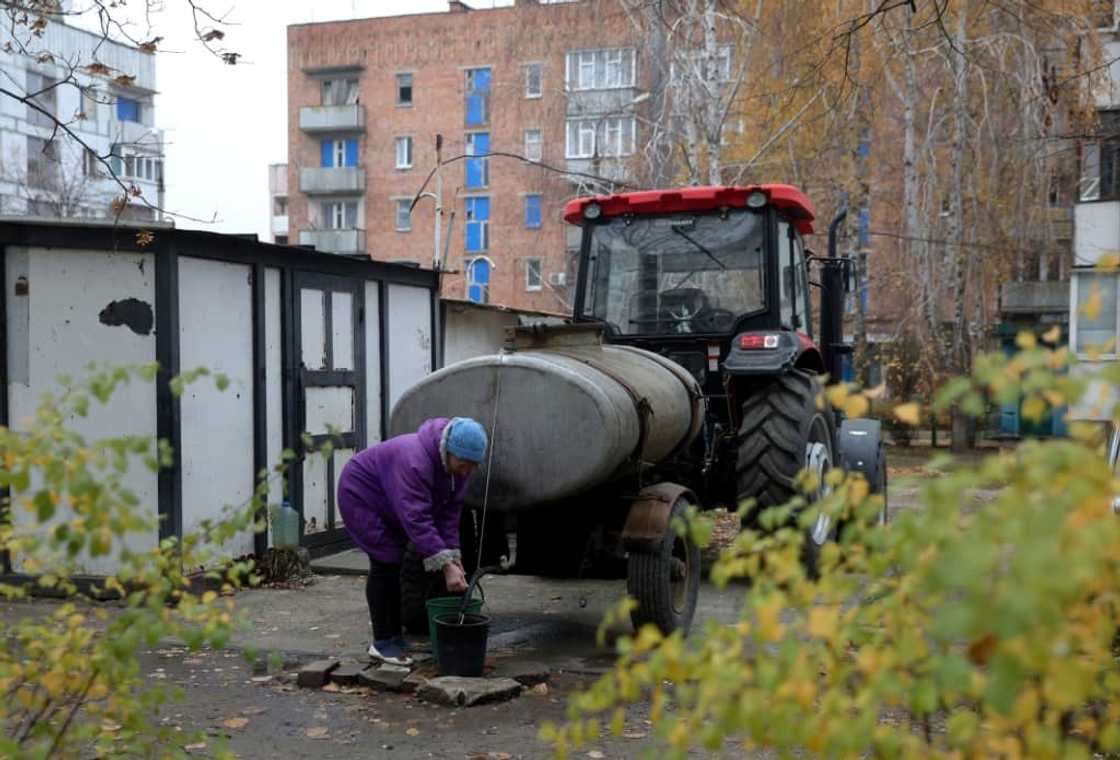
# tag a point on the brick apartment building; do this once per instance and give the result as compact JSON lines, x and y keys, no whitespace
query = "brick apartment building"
{"x":560,"y":83}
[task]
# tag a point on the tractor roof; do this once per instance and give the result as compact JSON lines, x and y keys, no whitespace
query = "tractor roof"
{"x":786,"y":198}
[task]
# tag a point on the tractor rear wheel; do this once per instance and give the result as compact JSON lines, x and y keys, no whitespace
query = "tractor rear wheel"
{"x":784,"y":431}
{"x":665,"y":581}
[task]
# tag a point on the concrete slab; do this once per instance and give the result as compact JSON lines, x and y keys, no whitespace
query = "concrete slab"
{"x":349,"y":562}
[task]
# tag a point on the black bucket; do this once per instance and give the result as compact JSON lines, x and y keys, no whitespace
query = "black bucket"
{"x":461,"y":646}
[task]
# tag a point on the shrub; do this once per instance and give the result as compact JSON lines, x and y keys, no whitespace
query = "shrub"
{"x":980,"y":625}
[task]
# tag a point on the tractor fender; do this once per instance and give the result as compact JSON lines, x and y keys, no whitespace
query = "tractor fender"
{"x":648,"y":517}
{"x":793,"y":350}
{"x":859,"y":448}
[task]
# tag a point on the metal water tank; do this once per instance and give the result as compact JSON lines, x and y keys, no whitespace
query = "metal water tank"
{"x":572,"y":413}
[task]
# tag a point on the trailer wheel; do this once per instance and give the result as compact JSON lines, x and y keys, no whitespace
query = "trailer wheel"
{"x":666,"y":580}
{"x":783,"y":432}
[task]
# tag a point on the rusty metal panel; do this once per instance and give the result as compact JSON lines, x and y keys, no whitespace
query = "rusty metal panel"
{"x":648,"y":518}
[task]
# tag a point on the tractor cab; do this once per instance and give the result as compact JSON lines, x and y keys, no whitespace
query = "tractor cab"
{"x":685,"y":272}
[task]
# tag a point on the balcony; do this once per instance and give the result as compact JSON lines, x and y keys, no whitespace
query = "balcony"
{"x":1050,"y":297}
{"x":331,"y":180}
{"x":334,"y":241}
{"x":317,"y":119}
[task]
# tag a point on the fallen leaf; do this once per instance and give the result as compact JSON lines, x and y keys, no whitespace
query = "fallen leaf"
{"x":261,"y":679}
{"x":540,"y":690}
{"x":235,"y":722}
{"x":195,"y":747}
{"x":596,"y":755}
{"x":412,"y":732}
{"x":331,"y":687}
{"x":254,"y":711}
{"x":635,"y":735}
{"x":317,"y":732}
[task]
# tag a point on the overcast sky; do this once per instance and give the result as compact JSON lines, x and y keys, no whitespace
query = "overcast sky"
{"x":225,"y":124}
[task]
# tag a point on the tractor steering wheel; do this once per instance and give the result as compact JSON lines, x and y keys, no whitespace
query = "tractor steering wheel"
{"x":713,"y":320}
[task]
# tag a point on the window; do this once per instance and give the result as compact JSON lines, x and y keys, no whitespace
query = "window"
{"x":533,"y":274}
{"x":478,"y":169}
{"x":116,"y":160}
{"x":694,"y":62}
{"x":478,"y":279}
{"x":612,"y":136}
{"x":340,"y":91}
{"x":1098,"y":312}
{"x":91,"y":165}
{"x":44,"y":91}
{"x":128,"y":109}
{"x":404,"y":89}
{"x":90,"y":108}
{"x":404,"y":152}
{"x":339,"y":153}
{"x":533,"y":211}
{"x":404,"y":217}
{"x":478,"y":224}
{"x":601,"y":69}
{"x":339,"y":215}
{"x":533,"y":80}
{"x":281,"y":240}
{"x":793,"y":286}
{"x":477,"y":96}
{"x":280,"y":205}
{"x":1100,"y":161}
{"x":42,"y":162}
{"x":533,"y":144}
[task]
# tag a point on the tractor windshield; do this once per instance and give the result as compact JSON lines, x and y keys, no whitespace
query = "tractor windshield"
{"x":679,"y":273}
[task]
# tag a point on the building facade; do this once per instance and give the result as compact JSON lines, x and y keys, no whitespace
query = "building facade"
{"x":107,"y":102}
{"x":1095,"y":284}
{"x":278,"y":203}
{"x":526,"y":101}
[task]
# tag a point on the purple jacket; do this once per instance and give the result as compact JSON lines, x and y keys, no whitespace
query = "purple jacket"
{"x":399,"y":491}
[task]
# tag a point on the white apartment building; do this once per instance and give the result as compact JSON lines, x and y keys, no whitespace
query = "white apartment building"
{"x":109,"y":108}
{"x":1095,"y":284}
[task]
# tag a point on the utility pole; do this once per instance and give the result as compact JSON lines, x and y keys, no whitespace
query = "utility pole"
{"x":437,"y":262}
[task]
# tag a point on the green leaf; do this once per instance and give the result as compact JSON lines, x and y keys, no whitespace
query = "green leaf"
{"x":44,"y":505}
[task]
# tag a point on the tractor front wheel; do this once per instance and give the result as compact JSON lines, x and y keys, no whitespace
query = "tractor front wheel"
{"x":665,"y":580}
{"x":787,"y":427}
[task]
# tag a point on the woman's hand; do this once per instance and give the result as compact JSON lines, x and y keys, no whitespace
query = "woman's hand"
{"x":454,"y":577}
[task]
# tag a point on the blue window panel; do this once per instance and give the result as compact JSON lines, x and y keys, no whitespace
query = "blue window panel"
{"x":864,"y":228}
{"x":532,"y":211}
{"x":478,"y":96}
{"x":352,"y":152}
{"x":326,"y":153}
{"x":128,"y":109}
{"x":478,"y":144}
{"x":478,"y":220}
{"x":478,"y":209}
{"x":479,"y":280}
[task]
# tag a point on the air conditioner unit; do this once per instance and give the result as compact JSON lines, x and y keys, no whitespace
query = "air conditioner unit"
{"x":558,"y":279}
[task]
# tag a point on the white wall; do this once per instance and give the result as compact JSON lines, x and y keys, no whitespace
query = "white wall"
{"x":272,"y":383}
{"x":1096,"y":231}
{"x":215,"y":331}
{"x":410,"y":338}
{"x":470,"y":332}
{"x":57,"y":329}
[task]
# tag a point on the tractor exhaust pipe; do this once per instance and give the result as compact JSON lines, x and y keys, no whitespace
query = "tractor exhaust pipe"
{"x":833,"y":277}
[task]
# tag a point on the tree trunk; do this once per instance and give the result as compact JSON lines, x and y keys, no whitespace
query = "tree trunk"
{"x":958,"y":353}
{"x":713,"y":112}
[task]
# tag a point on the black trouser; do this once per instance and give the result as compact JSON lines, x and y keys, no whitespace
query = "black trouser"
{"x":383,"y":595}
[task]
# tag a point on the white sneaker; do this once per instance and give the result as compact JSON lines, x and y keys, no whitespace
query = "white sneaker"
{"x":390,"y":653}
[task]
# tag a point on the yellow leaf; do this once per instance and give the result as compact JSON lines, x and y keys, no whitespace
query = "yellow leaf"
{"x":1091,"y":309}
{"x":822,"y":621}
{"x":837,"y":395}
{"x":856,"y":406}
{"x":1034,"y":408}
{"x":1053,"y":335}
{"x":1025,"y":340}
{"x":909,"y":414}
{"x":412,"y":732}
{"x":235,"y":722}
{"x":769,"y":625}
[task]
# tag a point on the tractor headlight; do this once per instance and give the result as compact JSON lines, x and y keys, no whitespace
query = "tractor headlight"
{"x":757,"y":199}
{"x":592,"y":211}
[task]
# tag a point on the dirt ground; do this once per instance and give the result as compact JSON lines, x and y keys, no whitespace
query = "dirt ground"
{"x":264,"y":715}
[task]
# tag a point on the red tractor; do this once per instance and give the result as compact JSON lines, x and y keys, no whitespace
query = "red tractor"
{"x":691,"y":375}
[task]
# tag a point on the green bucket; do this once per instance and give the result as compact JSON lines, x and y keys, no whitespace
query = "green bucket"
{"x":447,"y":605}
